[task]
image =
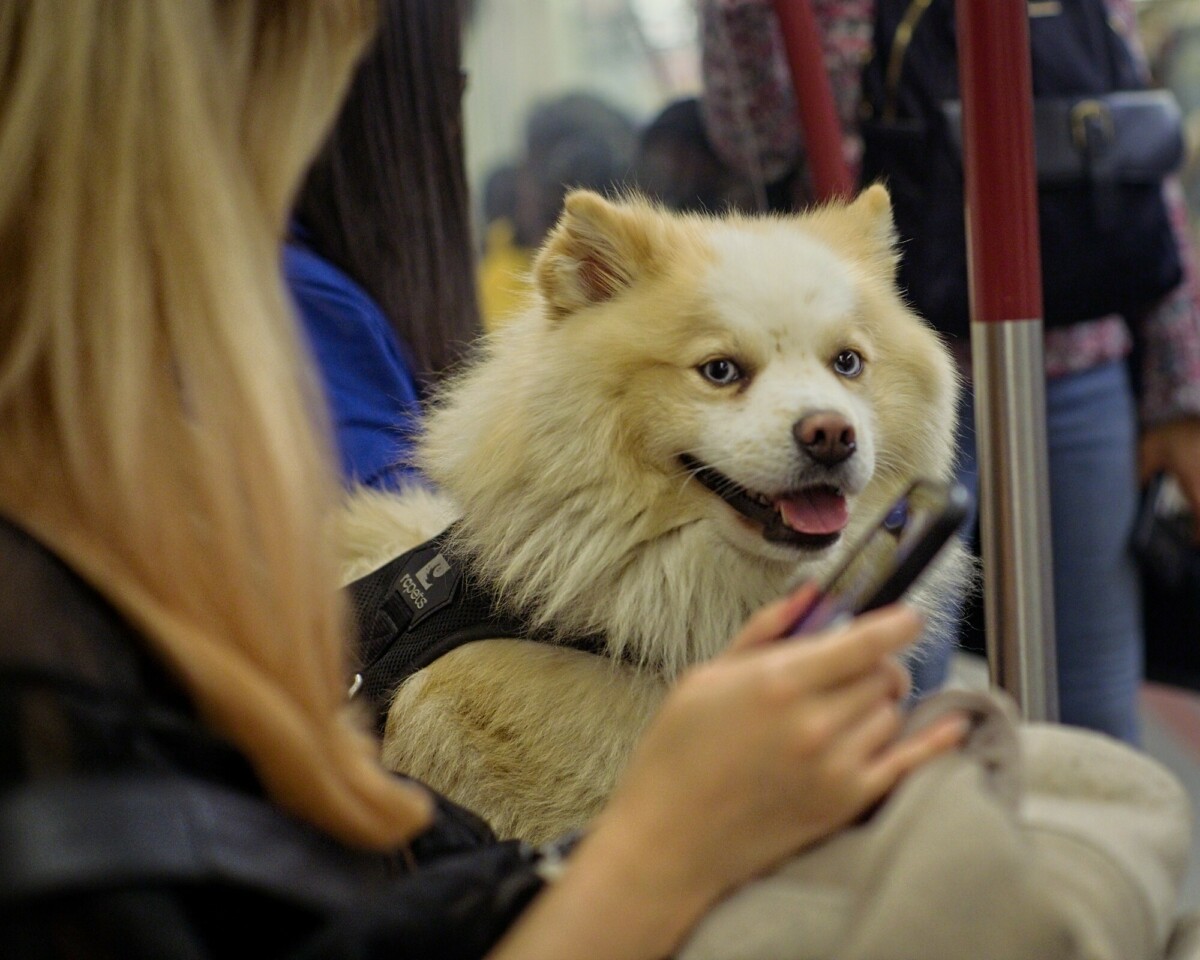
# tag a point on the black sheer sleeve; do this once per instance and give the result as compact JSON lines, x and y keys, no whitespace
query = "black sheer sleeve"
{"x":129,"y":830}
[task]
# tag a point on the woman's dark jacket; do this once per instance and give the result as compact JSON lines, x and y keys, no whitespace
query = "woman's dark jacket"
{"x":127,"y":830}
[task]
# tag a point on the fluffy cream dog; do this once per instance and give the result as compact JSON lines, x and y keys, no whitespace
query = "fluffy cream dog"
{"x":695,"y":413}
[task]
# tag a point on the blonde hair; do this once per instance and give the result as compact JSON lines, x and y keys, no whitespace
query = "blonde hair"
{"x":156,"y":431}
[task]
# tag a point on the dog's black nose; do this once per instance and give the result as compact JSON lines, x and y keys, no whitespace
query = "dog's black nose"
{"x":825,"y":436}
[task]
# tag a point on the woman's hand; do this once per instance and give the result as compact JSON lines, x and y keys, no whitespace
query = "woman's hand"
{"x":777,"y":744}
{"x":753,"y":756}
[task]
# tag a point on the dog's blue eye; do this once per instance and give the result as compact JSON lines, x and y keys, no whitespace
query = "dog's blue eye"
{"x":721,"y":371}
{"x":848,"y":363}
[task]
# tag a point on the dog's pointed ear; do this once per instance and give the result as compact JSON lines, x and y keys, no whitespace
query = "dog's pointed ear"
{"x":873,"y":210}
{"x":597,"y":250}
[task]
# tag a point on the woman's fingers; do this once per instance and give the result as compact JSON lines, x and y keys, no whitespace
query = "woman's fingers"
{"x":902,"y":677}
{"x":875,"y":728}
{"x":838,"y":712}
{"x":838,"y":656}
{"x":904,"y":756}
{"x":772,"y":621}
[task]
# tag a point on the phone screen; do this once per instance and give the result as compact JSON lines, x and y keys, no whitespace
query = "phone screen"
{"x":891,"y":557}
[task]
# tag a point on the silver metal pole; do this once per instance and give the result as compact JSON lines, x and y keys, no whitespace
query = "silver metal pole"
{"x":1014,"y":502}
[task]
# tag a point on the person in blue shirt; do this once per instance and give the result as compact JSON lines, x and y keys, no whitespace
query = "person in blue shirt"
{"x":368,"y":376}
{"x":386,"y":305}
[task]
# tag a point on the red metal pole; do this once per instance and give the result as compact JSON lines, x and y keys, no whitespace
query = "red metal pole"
{"x":995,"y":78}
{"x":814,"y":99}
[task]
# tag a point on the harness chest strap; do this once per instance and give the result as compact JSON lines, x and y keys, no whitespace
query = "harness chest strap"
{"x":422,"y":605}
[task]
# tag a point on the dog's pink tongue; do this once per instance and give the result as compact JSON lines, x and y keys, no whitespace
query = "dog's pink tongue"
{"x":814,"y":511}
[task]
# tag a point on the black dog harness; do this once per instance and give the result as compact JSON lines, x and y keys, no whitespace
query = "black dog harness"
{"x":422,"y":605}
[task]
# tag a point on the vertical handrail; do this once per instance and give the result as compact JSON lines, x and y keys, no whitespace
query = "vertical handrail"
{"x":995,"y":77}
{"x":814,"y":100}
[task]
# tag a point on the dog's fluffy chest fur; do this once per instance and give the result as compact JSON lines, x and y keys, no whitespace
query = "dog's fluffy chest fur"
{"x":696,"y":414}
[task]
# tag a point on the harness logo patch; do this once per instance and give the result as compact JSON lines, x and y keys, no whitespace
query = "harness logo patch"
{"x":434,"y":568}
{"x":426,"y":583}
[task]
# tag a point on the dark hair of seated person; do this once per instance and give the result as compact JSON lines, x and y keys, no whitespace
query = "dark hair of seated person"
{"x":386,"y":199}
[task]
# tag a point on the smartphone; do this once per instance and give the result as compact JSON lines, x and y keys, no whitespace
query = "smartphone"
{"x":889,"y":559}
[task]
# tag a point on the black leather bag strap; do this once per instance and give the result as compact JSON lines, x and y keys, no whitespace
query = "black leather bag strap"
{"x":88,"y":833}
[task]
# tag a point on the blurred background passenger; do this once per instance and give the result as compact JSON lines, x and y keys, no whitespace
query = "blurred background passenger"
{"x":504,"y":258}
{"x":676,"y":165}
{"x":577,"y":140}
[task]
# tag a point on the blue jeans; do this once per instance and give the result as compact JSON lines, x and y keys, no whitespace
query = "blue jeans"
{"x":1092,"y":437}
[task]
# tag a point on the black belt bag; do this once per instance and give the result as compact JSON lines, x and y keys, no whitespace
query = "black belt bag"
{"x":1127,"y":137}
{"x":1107,"y":243}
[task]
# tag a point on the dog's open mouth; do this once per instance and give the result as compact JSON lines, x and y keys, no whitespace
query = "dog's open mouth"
{"x":811,"y":517}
